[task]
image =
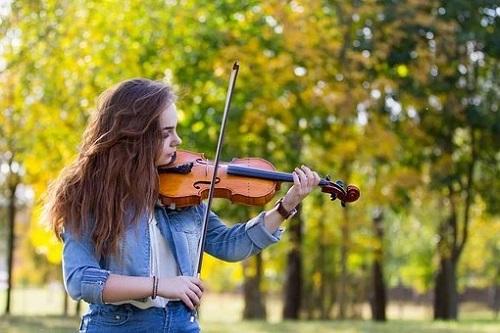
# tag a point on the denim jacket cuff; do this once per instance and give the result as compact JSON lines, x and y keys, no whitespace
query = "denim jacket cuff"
{"x":93,"y":281}
{"x":258,"y":233}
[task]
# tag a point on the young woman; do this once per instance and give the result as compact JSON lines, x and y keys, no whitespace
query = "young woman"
{"x":124,"y":253}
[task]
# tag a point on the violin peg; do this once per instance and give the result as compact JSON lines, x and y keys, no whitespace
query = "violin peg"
{"x":343,"y":204}
{"x":341,"y":184}
{"x":333,"y":197}
{"x":327,"y":177}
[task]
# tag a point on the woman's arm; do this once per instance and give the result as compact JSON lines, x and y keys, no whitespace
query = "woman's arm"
{"x":85,"y":279}
{"x":245,"y":239}
{"x":120,"y":288}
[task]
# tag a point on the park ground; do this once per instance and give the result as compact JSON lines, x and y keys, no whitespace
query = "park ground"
{"x":36,"y":310}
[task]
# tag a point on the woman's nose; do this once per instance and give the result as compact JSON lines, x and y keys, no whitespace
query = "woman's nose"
{"x":177,"y":140}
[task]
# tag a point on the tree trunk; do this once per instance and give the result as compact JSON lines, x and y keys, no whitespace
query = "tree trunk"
{"x":78,"y":308}
{"x":332,"y":283}
{"x":322,"y":271}
{"x":309,"y":300}
{"x":10,"y":242}
{"x":445,"y":289}
{"x":343,"y":280}
{"x":452,"y":242}
{"x":378,"y":299}
{"x":66,"y":304}
{"x":254,"y":299}
{"x":293,"y":280}
{"x":496,"y":301}
{"x":445,"y":294}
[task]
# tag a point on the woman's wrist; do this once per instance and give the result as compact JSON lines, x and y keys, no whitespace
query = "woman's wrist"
{"x":284,"y":211}
{"x":288,"y":204}
{"x":120,"y":288}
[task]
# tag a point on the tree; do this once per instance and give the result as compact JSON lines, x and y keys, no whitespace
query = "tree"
{"x":439,"y":55}
{"x":12,"y":145}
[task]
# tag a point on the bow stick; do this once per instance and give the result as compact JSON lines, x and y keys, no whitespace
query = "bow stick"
{"x":201,"y":243}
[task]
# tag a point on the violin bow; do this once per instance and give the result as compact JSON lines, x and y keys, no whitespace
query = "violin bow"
{"x":201,"y":243}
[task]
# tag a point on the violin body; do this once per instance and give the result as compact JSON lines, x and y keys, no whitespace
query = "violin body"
{"x":181,"y":189}
{"x":250,"y":181}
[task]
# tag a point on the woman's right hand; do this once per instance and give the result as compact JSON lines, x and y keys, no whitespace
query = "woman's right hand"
{"x":186,"y":288}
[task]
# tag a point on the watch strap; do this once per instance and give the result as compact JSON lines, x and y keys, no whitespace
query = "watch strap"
{"x":282,"y":210}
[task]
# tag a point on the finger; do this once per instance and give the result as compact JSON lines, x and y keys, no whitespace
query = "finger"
{"x":303,"y":181}
{"x":198,"y":283}
{"x":309,"y":176}
{"x":317,"y":178}
{"x":302,"y":176}
{"x":296,"y":179}
{"x":185,"y":299}
{"x":196,"y":289}
{"x":194,"y":298}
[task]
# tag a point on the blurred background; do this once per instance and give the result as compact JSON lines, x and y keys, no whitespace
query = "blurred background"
{"x":397,"y":97}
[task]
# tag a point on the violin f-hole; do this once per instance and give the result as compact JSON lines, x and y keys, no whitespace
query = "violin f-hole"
{"x":197,"y":184}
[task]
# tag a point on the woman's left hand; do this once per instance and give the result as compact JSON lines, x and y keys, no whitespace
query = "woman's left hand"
{"x":304,"y":180}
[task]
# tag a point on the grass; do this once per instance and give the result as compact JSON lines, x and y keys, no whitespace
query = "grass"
{"x":55,"y":324}
{"x":37,"y":310}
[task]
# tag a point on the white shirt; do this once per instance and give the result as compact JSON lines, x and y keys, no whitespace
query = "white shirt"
{"x":162,"y":264}
{"x":162,"y":259}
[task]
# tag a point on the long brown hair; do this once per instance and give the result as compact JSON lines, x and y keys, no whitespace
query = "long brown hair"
{"x":114,"y":179}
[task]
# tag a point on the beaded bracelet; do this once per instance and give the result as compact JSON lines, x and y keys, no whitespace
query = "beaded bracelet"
{"x":155,"y":286}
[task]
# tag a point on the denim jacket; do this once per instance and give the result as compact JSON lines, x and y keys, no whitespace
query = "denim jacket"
{"x":85,"y":274}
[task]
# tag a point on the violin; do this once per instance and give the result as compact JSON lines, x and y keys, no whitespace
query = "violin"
{"x":250,"y":181}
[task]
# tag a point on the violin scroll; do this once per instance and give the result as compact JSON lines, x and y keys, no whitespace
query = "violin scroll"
{"x":339,"y":190}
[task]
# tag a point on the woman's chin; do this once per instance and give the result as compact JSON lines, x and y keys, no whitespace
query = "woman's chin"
{"x":166,"y":161}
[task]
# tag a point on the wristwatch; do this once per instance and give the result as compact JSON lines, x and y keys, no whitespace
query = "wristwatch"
{"x":283,"y":212}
